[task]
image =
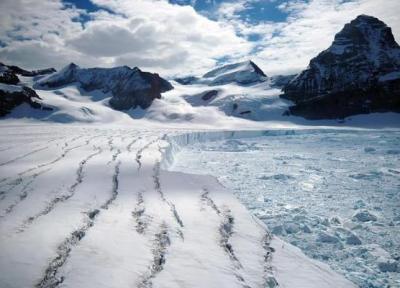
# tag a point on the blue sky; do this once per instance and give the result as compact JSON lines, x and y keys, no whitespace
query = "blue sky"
{"x":257,"y":11}
{"x":178,"y":37}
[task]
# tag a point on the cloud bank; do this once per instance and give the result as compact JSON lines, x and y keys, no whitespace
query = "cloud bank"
{"x":175,"y":39}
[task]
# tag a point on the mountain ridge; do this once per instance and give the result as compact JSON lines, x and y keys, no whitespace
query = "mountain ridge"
{"x":130,"y":87}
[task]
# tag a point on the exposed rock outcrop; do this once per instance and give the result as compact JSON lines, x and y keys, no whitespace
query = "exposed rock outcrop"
{"x":358,"y":74}
{"x":8,"y":73}
{"x":281,"y":81}
{"x":13,"y":95}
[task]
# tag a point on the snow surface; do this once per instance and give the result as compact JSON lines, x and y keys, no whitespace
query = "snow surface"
{"x":10,"y":88}
{"x":334,"y":194}
{"x":93,"y":206}
{"x":90,"y":203}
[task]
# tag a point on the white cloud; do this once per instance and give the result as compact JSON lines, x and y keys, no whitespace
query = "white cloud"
{"x":311,"y":27}
{"x":154,"y":35}
{"x":172,"y":39}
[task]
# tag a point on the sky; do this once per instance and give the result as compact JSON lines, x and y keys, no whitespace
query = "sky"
{"x":178,"y":37}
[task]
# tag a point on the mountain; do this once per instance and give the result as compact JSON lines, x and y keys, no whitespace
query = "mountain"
{"x":12,"y":96}
{"x":26,"y":73}
{"x":130,"y":87}
{"x":280,"y":81}
{"x":358,"y":74}
{"x":242,"y":73}
{"x":8,"y":73}
{"x":13,"y":93}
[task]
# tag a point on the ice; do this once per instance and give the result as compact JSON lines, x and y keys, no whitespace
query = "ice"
{"x":327,"y":238}
{"x":353,"y":240}
{"x":388,"y":265}
{"x":308,"y":186}
{"x":94,"y":206}
{"x":364,"y":216}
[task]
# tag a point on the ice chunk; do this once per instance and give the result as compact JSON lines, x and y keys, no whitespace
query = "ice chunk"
{"x":359,"y":204}
{"x":353,"y":240}
{"x":335,"y":220}
{"x":387,"y":265}
{"x":306,"y":229}
{"x":369,"y":149}
{"x":327,"y":238}
{"x":364,"y":216}
{"x":291,"y":228}
{"x":277,"y":230}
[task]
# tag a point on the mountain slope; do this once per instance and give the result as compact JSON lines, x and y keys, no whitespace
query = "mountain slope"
{"x":14,"y":93}
{"x":242,"y":73}
{"x":130,"y":87}
{"x":359,"y":73}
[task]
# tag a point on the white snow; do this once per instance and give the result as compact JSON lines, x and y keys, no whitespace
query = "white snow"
{"x":10,"y":88}
{"x":91,"y":206}
{"x":91,"y":203}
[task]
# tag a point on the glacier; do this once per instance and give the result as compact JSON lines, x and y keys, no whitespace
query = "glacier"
{"x":97,"y":205}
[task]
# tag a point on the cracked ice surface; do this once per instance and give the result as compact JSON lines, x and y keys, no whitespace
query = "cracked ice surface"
{"x":335,"y":195}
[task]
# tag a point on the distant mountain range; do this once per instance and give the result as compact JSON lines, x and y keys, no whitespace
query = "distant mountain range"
{"x":358,"y":74}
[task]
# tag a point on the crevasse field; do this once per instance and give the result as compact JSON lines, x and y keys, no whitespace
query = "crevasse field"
{"x":334,"y":194}
{"x":96,"y":207}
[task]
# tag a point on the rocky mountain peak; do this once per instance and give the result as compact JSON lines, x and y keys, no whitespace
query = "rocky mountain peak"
{"x":353,"y":71}
{"x":369,"y":36}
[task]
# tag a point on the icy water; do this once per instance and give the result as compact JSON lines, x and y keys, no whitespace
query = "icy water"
{"x":335,"y":195}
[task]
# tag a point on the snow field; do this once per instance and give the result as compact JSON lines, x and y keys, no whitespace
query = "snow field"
{"x":96,"y":208}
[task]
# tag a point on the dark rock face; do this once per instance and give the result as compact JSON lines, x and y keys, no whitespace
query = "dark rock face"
{"x":33,"y":73}
{"x":129,"y":87}
{"x":209,"y":95}
{"x":11,"y":96}
{"x":358,"y":74}
{"x":8,"y":77}
{"x":281,"y":81}
{"x":15,"y":70}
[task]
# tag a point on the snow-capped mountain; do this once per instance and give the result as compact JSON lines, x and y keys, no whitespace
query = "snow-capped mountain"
{"x":130,"y":87}
{"x":12,"y":96}
{"x":359,"y":73}
{"x":240,"y":90}
{"x":14,"y":93}
{"x":8,"y":73}
{"x":242,"y":73}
